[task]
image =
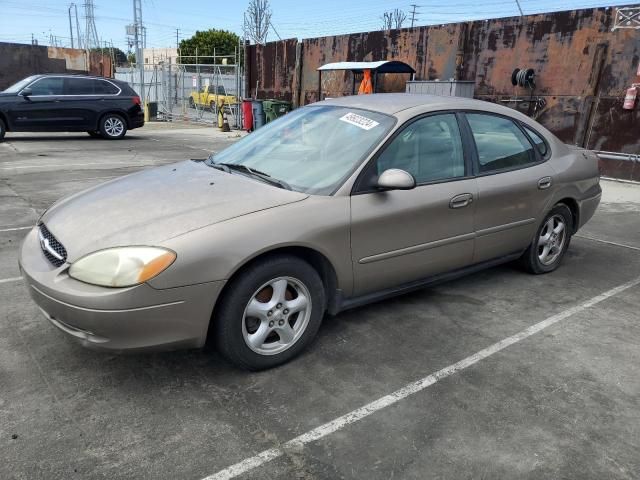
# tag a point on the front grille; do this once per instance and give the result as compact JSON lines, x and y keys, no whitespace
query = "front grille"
{"x":51,"y":247}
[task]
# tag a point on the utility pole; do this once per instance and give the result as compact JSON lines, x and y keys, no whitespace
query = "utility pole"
{"x":71,"y":25}
{"x":413,"y":13}
{"x":519,"y":8}
{"x":177,"y":38}
{"x":137,"y":22}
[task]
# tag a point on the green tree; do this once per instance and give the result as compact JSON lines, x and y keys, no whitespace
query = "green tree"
{"x":222,"y":41}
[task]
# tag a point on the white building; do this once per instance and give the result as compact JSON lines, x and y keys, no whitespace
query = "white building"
{"x":158,"y":55}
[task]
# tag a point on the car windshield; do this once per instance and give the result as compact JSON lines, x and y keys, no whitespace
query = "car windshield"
{"x":313,"y":149}
{"x":16,"y":87}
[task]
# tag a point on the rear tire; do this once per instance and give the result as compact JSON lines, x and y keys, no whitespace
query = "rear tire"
{"x":269,"y":313}
{"x":3,"y":129}
{"x":113,"y":126}
{"x":192,"y":104}
{"x":550,"y":243}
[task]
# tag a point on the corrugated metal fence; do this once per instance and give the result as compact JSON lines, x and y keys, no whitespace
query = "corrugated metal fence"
{"x":582,"y":70}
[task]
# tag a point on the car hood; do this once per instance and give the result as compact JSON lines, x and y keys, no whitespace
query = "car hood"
{"x":148,"y":207}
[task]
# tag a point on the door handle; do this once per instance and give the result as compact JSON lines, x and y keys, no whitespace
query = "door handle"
{"x":544,"y":182}
{"x":460,"y":201}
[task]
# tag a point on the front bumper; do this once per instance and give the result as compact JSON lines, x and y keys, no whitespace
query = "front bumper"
{"x":118,"y":319}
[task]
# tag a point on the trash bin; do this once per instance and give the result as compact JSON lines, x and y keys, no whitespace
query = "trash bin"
{"x":152,"y":107}
{"x":258,"y":114}
{"x":247,"y":114}
{"x":275,"y":108}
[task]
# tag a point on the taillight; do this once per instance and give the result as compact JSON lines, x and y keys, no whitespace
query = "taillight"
{"x":136,"y":100}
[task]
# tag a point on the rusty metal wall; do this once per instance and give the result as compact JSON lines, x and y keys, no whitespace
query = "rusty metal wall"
{"x":271,"y":69}
{"x":582,"y":70}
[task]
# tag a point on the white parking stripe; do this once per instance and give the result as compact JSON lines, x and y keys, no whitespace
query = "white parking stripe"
{"x":608,"y":242}
{"x":362,"y":412}
{"x":13,"y":229}
{"x":13,"y":279}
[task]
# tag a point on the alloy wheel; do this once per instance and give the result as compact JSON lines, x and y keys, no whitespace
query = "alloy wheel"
{"x":552,"y":239}
{"x":276,"y":316}
{"x":113,"y":126}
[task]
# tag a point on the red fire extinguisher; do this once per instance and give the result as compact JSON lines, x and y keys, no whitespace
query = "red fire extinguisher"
{"x":630,"y":98}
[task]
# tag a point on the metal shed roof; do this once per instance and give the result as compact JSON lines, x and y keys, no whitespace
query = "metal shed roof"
{"x":383,"y":66}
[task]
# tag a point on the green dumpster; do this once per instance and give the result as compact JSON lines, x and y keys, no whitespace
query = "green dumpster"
{"x":275,"y":108}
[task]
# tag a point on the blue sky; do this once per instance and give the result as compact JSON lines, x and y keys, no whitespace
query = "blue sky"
{"x":291,"y":18}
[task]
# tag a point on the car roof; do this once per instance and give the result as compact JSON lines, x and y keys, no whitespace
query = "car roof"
{"x":392,"y":103}
{"x":70,"y":75}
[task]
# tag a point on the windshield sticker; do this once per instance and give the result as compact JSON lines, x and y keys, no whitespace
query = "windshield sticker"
{"x":359,"y":121}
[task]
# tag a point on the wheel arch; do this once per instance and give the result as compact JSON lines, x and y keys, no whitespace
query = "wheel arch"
{"x":573,"y":206}
{"x":5,"y":120}
{"x":316,"y":259}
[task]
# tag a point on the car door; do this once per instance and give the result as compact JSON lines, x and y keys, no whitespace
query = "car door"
{"x":40,"y":110}
{"x":398,"y":236}
{"x":514,"y":186}
{"x":81,"y":103}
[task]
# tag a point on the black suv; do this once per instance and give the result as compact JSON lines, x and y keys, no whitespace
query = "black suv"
{"x":70,"y":103}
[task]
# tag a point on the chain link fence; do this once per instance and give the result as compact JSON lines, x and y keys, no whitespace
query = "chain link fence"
{"x":189,"y":92}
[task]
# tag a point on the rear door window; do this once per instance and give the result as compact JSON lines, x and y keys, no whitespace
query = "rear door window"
{"x":102,"y":87}
{"x":78,"y":86}
{"x":500,"y":143}
{"x":48,"y":86}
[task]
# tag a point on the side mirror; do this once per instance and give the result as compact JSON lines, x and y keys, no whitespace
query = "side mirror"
{"x":395,"y":179}
{"x":25,"y":92}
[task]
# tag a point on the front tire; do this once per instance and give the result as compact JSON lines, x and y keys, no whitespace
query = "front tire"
{"x":113,"y":126}
{"x":551,"y":241}
{"x":269,"y":313}
{"x":3,"y":129}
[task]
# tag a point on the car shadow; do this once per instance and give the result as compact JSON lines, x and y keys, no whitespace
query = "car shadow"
{"x":65,"y":138}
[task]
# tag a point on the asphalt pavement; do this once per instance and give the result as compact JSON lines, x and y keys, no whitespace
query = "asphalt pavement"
{"x":497,"y":375}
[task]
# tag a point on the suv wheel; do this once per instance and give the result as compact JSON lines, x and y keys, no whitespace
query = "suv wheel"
{"x":3,"y":129}
{"x":551,"y":241}
{"x":113,"y":126}
{"x":270,"y":313}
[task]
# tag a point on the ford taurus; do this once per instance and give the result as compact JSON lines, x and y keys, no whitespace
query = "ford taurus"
{"x":337,"y":204}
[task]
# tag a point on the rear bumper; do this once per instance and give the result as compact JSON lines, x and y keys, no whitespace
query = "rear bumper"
{"x":588,"y":206}
{"x":136,"y":121}
{"x":139,"y":318}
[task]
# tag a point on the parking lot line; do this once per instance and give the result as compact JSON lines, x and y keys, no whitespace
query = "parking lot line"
{"x":356,"y":415}
{"x":14,"y":229}
{"x":608,"y":242}
{"x":12,"y":279}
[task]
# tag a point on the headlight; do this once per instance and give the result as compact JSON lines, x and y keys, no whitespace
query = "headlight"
{"x":122,"y":266}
